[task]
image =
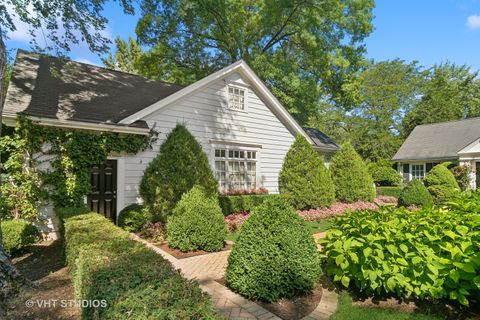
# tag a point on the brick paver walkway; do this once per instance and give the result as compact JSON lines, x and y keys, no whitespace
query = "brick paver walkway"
{"x":210,"y":267}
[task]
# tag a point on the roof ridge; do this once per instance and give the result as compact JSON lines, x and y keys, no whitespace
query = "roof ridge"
{"x":99,"y":67}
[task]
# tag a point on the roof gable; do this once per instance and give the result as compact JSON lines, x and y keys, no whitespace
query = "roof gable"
{"x":439,"y":140}
{"x":247,"y":74}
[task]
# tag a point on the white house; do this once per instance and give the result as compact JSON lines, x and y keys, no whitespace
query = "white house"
{"x":233,"y":115}
{"x":430,"y":144}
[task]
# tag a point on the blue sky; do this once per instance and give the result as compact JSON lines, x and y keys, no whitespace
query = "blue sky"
{"x":430,"y":31}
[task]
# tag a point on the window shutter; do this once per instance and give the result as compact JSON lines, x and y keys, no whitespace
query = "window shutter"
{"x":406,"y":168}
{"x":429,"y":167}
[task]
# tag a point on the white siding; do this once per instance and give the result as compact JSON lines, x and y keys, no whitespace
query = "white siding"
{"x":205,"y":115}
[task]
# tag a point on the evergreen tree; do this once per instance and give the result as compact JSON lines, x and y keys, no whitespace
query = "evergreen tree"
{"x":179,"y":165}
{"x":441,"y":184}
{"x":304,"y":180}
{"x":350,"y":175}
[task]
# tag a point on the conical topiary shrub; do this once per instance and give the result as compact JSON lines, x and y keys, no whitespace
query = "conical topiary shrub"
{"x":196,"y":223}
{"x":304,"y":181}
{"x":350,"y":175}
{"x":441,"y":184}
{"x":415,"y":193}
{"x":179,"y":165}
{"x":274,"y":256}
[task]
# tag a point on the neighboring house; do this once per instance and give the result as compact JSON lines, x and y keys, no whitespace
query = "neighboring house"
{"x":431,"y":144}
{"x":232,"y":114}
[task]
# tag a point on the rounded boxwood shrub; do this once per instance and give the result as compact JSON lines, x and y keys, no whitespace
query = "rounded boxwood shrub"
{"x":17,"y":234}
{"x":350,"y":175}
{"x":179,"y":165}
{"x":384,"y":175}
{"x":441,"y":184}
{"x":304,"y":181}
{"x":274,"y":256}
{"x":133,"y":217}
{"x":415,"y":193}
{"x":196,"y":223}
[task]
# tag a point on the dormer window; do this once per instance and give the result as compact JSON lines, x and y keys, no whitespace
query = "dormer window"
{"x":236,"y":98}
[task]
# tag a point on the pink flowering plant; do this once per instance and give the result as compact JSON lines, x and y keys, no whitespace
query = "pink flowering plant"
{"x":242,"y":192}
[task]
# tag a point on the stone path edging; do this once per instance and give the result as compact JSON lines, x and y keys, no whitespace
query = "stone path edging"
{"x":205,"y":269}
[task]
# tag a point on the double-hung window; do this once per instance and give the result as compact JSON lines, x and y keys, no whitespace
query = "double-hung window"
{"x":236,"y":169}
{"x":418,"y":171}
{"x":236,"y":98}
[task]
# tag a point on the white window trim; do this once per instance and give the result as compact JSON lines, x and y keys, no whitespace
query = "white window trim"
{"x":239,"y":147}
{"x":227,"y":95}
{"x":417,"y":164}
{"x":120,"y":183}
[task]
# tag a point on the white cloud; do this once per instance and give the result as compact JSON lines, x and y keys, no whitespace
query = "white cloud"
{"x":473,"y":22}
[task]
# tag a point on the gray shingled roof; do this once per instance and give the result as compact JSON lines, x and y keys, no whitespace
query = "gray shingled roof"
{"x":439,"y":140}
{"x":54,"y":88}
{"x":320,"y":139}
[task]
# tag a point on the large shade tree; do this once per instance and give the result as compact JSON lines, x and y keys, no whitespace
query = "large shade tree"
{"x":62,"y":23}
{"x":306,"y":51}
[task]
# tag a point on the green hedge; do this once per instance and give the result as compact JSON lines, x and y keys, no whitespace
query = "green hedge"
{"x":415,"y":193}
{"x":135,"y":282}
{"x":430,"y":253}
{"x":441,"y":184}
{"x":244,"y":203}
{"x":17,"y":234}
{"x":389,"y":191}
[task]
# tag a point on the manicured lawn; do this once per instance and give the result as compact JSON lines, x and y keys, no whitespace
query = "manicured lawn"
{"x":346,"y":311}
{"x":313,"y":227}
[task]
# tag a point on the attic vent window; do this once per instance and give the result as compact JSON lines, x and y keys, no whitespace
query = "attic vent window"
{"x":236,"y":98}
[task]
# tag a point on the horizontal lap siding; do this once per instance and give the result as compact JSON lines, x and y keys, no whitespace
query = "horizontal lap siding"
{"x":206,"y":117}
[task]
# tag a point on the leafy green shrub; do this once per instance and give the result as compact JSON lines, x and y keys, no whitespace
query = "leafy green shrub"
{"x":179,"y":165}
{"x":246,"y":203}
{"x":274,"y":256}
{"x":428,"y":253}
{"x":133,"y":217}
{"x":134,"y":281}
{"x":17,"y":234}
{"x":196,"y":223}
{"x":389,"y":191}
{"x":384,"y":175}
{"x":350,"y":175}
{"x":415,"y":194}
{"x":304,"y":181}
{"x":462,"y":175}
{"x":441,"y":184}
{"x":65,"y":212}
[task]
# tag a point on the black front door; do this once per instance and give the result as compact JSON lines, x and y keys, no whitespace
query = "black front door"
{"x":103,"y":198}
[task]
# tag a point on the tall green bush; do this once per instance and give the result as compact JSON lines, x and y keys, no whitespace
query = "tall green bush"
{"x":415,"y":193}
{"x":133,"y":217}
{"x":350,"y":175}
{"x":274,"y":256}
{"x":441,"y":184}
{"x":196,"y":223}
{"x":179,"y":165}
{"x":304,"y":181}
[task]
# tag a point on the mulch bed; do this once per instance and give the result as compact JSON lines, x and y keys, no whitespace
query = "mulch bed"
{"x":294,"y":308}
{"x":47,"y":279}
{"x":183,"y":255}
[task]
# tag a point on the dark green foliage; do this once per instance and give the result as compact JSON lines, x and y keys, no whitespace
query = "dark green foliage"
{"x":133,"y":217}
{"x":274,"y":256}
{"x":66,"y":212}
{"x":304,"y":181}
{"x":135,"y":282}
{"x":196,"y":223}
{"x":431,"y":253}
{"x":415,"y":193}
{"x":352,"y":180}
{"x":384,"y":175}
{"x":441,"y":184}
{"x":179,"y":165}
{"x":389,"y":191}
{"x":17,"y":234}
{"x":462,"y":175}
{"x":244,"y":203}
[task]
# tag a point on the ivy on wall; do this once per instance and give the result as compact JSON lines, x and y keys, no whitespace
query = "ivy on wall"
{"x":71,"y":154}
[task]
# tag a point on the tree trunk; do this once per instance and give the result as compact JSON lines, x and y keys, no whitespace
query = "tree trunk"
{"x":9,"y":277}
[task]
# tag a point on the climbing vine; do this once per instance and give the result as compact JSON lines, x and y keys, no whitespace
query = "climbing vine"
{"x":53,"y":163}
